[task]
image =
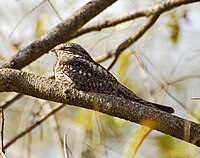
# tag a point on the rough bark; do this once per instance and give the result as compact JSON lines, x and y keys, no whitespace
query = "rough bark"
{"x":59,"y":34}
{"x":48,"y":89}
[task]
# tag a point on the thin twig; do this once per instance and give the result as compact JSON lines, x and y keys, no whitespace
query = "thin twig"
{"x":65,"y":146}
{"x":20,"y":135}
{"x":2,"y":129}
{"x":54,"y":124}
{"x":55,"y":10}
{"x":3,"y":154}
{"x":125,"y":44}
{"x":25,"y":17}
{"x":195,"y":98}
{"x":159,"y":8}
{"x":12,"y":100}
{"x":112,"y":22}
{"x":105,"y":57}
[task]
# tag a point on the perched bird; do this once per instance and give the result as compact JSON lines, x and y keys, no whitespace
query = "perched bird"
{"x":76,"y":68}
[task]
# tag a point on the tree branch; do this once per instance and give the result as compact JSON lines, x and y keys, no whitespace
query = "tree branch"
{"x":36,"y":124}
{"x":48,"y":89}
{"x":12,"y":100}
{"x":68,"y":28}
{"x":2,"y":130}
{"x":59,"y":34}
{"x":152,"y":14}
{"x":159,"y":8}
{"x":128,"y":42}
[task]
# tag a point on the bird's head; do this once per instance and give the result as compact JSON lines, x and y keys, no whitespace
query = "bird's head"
{"x":71,"y":49}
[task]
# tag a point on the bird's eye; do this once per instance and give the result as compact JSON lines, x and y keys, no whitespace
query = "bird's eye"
{"x":62,"y":48}
{"x":71,"y":49}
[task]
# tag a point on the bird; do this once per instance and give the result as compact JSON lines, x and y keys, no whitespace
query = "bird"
{"x":76,"y":68}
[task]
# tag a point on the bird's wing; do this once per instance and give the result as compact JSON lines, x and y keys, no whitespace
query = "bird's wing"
{"x":88,"y":76}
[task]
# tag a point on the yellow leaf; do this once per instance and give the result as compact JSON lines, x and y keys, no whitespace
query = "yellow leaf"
{"x":136,"y":141}
{"x":41,"y":26}
{"x":123,"y":64}
{"x":174,"y":28}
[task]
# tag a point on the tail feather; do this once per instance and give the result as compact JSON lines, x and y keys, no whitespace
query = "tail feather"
{"x":128,"y":94}
{"x":162,"y":107}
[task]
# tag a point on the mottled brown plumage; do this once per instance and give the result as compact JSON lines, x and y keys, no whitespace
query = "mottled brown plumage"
{"x":76,"y":68}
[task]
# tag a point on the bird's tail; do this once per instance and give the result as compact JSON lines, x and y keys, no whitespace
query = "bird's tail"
{"x":128,"y":94}
{"x":161,"y":107}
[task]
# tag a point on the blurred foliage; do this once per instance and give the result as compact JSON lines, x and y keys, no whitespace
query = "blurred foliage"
{"x":169,"y":147}
{"x":166,"y":146}
{"x":177,"y":86}
{"x":136,"y":141}
{"x":85,"y":117}
{"x":41,"y":25}
{"x":2,"y":57}
{"x":88,"y":119}
{"x":88,"y":153}
{"x":123,"y":65}
{"x":174,"y":28}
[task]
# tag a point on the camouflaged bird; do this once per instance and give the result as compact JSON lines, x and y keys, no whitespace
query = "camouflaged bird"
{"x":76,"y":68}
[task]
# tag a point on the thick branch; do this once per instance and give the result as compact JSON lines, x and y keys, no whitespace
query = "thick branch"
{"x":48,"y":89}
{"x":59,"y":34}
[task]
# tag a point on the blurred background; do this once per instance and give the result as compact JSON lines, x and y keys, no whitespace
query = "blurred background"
{"x":162,"y":66}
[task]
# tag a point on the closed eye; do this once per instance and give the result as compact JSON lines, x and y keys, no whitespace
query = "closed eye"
{"x":62,"y":48}
{"x":70,"y":49}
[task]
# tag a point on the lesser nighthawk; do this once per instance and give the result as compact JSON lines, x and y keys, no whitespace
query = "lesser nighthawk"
{"x":76,"y":68}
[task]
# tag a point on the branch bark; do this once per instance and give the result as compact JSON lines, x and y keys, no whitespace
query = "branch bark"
{"x":128,"y":42}
{"x":71,"y":28}
{"x":152,"y":14}
{"x":157,"y":9}
{"x":59,"y":34}
{"x":48,"y":89}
